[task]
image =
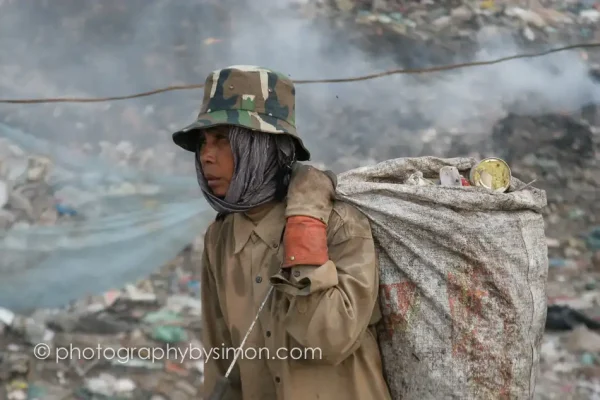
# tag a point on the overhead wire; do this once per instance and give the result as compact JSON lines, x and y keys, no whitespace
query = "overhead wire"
{"x":312,"y":81}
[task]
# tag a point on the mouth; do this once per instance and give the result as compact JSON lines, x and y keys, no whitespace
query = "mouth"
{"x":212,"y":180}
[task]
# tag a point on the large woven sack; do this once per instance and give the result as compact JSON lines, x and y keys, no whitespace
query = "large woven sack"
{"x":462,"y":283}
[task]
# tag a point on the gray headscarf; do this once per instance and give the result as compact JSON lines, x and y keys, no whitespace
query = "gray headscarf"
{"x":262,"y":163}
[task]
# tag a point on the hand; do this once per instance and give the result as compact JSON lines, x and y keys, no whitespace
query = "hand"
{"x":311,"y":194}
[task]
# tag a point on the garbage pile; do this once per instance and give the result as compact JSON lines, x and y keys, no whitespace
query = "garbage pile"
{"x":35,"y":191}
{"x":103,"y":346}
{"x":562,"y":152}
{"x":140,"y":341}
{"x":25,"y":195}
{"x":105,"y":204}
{"x":492,"y":174}
{"x":532,"y":21}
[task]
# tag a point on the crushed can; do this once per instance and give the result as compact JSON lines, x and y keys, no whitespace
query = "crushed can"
{"x":491,"y":173}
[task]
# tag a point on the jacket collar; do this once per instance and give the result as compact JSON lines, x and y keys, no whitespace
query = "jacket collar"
{"x":269,"y":228}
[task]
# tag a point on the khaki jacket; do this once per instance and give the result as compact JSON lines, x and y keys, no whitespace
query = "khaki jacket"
{"x":315,"y":337}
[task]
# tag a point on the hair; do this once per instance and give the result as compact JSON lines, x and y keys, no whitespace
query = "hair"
{"x":262,"y":169}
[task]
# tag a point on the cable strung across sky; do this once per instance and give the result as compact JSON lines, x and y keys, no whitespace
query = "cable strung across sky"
{"x":307,"y":81}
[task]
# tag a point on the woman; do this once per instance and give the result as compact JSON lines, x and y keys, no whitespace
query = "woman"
{"x":279,"y":225}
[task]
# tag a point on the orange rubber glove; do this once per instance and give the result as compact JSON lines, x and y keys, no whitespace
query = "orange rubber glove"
{"x":305,"y":242}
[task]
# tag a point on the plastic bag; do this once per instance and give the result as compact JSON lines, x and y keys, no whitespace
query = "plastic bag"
{"x":462,"y":283}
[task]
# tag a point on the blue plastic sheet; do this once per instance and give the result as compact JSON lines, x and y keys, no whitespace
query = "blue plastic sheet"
{"x":115,"y":239}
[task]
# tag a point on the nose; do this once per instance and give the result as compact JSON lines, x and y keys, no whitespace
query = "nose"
{"x":207,"y":154}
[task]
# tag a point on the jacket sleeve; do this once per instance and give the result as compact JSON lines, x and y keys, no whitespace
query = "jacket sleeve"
{"x":331,"y":305}
{"x":215,"y":334}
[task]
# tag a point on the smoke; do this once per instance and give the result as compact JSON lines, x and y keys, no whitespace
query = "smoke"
{"x":90,"y":48}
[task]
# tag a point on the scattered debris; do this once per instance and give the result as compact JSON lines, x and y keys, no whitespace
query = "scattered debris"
{"x":107,"y":345}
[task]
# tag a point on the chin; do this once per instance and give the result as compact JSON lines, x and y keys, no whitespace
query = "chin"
{"x":219,"y":192}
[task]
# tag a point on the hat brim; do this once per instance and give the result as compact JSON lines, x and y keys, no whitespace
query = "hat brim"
{"x":187,"y":138}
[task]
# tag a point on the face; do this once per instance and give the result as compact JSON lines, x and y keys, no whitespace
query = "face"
{"x":216,"y":159}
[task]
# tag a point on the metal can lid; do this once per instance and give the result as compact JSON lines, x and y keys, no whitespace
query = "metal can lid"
{"x":492,"y":173}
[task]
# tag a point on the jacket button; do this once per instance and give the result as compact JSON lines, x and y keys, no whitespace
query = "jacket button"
{"x":258,"y":279}
{"x":276,"y":245}
{"x":277,"y":379}
{"x":268,"y":333}
{"x":296,"y":273}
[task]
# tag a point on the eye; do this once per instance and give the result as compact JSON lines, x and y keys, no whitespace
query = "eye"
{"x":201,"y":142}
{"x":222,"y":138}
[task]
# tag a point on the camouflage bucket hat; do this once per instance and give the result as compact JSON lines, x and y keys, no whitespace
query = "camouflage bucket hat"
{"x":247,"y":96}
